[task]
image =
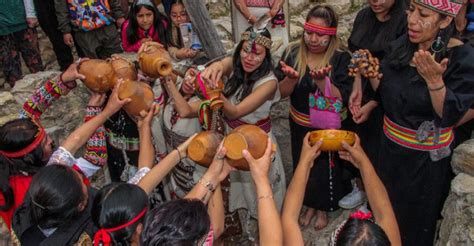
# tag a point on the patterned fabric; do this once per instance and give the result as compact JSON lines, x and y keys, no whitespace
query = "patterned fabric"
{"x":63,"y":157}
{"x":260,"y":3}
{"x":332,"y":104}
{"x":447,"y":7}
{"x":89,"y":15}
{"x":24,"y":42}
{"x":42,"y":98}
{"x":120,"y":142}
{"x":139,"y":175}
{"x":264,"y":124}
{"x":408,"y":137}
{"x":96,"y":147}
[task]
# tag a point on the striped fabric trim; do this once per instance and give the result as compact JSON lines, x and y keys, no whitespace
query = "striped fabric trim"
{"x":407,"y":137}
{"x":299,"y":118}
{"x":264,"y":124}
{"x":447,"y":7}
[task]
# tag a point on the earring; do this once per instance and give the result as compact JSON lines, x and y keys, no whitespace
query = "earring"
{"x":438,"y":45}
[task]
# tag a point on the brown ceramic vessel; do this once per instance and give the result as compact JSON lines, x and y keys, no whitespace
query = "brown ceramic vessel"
{"x":248,"y":137}
{"x":155,"y":62}
{"x":203,"y":147}
{"x":332,"y":139}
{"x":141,"y":94}
{"x":213,"y":93}
{"x":100,"y":75}
{"x":123,"y":68}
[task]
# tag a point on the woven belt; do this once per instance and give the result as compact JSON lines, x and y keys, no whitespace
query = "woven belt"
{"x":302,"y":119}
{"x":120,"y":142}
{"x":264,"y":124}
{"x":408,"y":137}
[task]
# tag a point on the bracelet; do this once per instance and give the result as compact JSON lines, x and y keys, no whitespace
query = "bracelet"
{"x":265,"y":197}
{"x":207,"y":184}
{"x":436,"y":89}
{"x":179,"y":154}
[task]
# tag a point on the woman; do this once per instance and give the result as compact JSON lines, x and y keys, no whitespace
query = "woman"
{"x":248,"y":95}
{"x":318,"y":48}
{"x":374,"y":28}
{"x":426,"y":89}
{"x":145,"y":23}
{"x":249,"y":11}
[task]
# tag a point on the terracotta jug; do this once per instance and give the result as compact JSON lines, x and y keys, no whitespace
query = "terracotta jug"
{"x":123,"y":69}
{"x":248,"y":137}
{"x":203,"y":147}
{"x":208,"y":92}
{"x":155,"y":62}
{"x":141,"y":94}
{"x":100,"y":75}
{"x":332,"y":139}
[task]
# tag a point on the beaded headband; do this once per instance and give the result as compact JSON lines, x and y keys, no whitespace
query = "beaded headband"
{"x":323,"y":30}
{"x":447,"y":7}
{"x":255,"y":38}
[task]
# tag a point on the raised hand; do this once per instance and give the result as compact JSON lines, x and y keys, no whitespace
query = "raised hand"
{"x":431,"y":71}
{"x":146,"y":119}
{"x":115,"y":104}
{"x":320,"y":73}
{"x":310,"y":153}
{"x":259,"y":167}
{"x":97,"y":99}
{"x":290,"y":72}
{"x":354,"y":154}
{"x":355,"y":100}
{"x":219,"y":168}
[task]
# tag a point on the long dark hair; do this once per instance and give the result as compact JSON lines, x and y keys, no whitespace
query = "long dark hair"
{"x":158,"y":18}
{"x":16,"y":135}
{"x":402,"y":50}
{"x":115,"y":205}
{"x":54,"y":196}
{"x":387,"y":32}
{"x":171,"y":27}
{"x":178,"y":222}
{"x":362,"y":232}
{"x":239,"y":78}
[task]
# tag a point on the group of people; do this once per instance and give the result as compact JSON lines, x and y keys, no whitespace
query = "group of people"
{"x":408,"y":96}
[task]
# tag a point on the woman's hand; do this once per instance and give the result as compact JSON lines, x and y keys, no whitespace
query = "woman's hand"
{"x":97,"y":99}
{"x":320,"y":74}
{"x":355,"y":99}
{"x":115,"y":104}
{"x":186,"y":53}
{"x":259,"y":167}
{"x":146,"y":119}
{"x":290,"y":72}
{"x":354,"y":154}
{"x":219,"y":168}
{"x":310,"y":153}
{"x":183,"y":148}
{"x":69,"y":76}
{"x":149,"y":45}
{"x":364,"y":113}
{"x":431,"y":71}
{"x":213,"y":73}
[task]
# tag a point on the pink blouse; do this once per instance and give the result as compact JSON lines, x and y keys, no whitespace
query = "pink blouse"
{"x":129,"y":47}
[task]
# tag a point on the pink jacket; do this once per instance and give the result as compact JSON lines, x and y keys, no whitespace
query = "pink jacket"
{"x":129,"y":47}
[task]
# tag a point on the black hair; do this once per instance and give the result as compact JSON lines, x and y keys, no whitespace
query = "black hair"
{"x":179,"y":42}
{"x":239,"y":78}
{"x":158,"y":18}
{"x":117,"y":204}
{"x":178,"y":222}
{"x":14,"y":136}
{"x":402,"y":50}
{"x":357,"y":232}
{"x":55,"y":195}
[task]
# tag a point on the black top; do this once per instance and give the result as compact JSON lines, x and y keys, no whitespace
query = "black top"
{"x":339,"y":78}
{"x":369,"y":33}
{"x":405,"y":96}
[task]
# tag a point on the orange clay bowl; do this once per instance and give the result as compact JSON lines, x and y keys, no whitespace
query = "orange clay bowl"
{"x":155,"y":62}
{"x":212,"y":93}
{"x":203,"y":147}
{"x":100,"y":75}
{"x":332,"y":139}
{"x":123,"y":69}
{"x":141,"y":94}
{"x":248,"y":137}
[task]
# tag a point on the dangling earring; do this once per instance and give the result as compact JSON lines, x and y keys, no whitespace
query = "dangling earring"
{"x":438,"y":45}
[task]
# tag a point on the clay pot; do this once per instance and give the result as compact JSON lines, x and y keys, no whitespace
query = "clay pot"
{"x":203,"y":147}
{"x":141,"y":94}
{"x":100,"y":75}
{"x":248,"y":137}
{"x":332,"y":139}
{"x":123,"y":69}
{"x":155,"y":62}
{"x":205,"y":91}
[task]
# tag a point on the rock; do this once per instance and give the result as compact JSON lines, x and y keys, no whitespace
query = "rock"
{"x":463,"y":158}
{"x":8,"y":107}
{"x":458,"y":213}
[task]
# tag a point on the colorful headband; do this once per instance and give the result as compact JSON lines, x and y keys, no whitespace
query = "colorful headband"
{"x":323,"y":30}
{"x":102,"y":236}
{"x":28,"y":149}
{"x":256,"y":38}
{"x":447,"y":7}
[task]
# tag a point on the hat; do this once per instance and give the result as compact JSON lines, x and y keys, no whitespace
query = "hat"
{"x":446,"y":7}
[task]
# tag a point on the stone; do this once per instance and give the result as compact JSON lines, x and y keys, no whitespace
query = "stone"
{"x":463,"y":158}
{"x":463,"y":184}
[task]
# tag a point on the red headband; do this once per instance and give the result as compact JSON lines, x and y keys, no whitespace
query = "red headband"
{"x":32,"y":146}
{"x":310,"y":27}
{"x":361,"y":215}
{"x":102,"y":236}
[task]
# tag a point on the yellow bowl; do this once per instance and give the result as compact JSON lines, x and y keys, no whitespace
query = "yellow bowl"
{"x":332,"y":139}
